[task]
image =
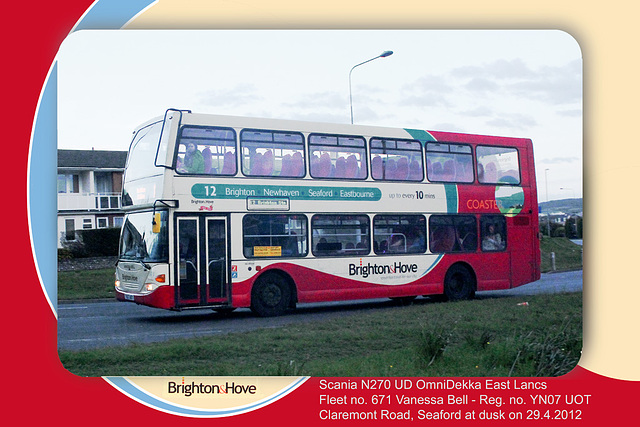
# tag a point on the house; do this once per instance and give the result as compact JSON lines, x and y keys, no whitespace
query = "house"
{"x":89,"y":191}
{"x":559,"y":218}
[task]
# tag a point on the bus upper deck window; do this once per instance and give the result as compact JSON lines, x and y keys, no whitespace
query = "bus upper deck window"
{"x":206,"y":150}
{"x":498,"y":165}
{"x":272,"y":153}
{"x":449,"y":162}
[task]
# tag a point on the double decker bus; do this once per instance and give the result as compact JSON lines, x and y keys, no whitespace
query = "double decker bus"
{"x":226,"y":212}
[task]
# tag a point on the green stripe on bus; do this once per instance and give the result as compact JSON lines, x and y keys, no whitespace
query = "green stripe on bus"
{"x":451,"y":191}
{"x":293,"y":192}
{"x":420,"y":135}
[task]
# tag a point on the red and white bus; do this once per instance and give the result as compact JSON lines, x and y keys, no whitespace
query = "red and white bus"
{"x":226,"y":212}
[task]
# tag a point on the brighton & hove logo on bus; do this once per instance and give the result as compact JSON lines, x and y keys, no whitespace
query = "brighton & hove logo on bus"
{"x":370,"y":269}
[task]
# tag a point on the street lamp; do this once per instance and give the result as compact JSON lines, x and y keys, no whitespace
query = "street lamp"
{"x":382,"y":55}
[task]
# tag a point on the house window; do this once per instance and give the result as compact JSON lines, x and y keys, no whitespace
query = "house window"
{"x":69,"y":229}
{"x":104,"y":182}
{"x":87,"y":224}
{"x":103,"y":222}
{"x":68,"y":183}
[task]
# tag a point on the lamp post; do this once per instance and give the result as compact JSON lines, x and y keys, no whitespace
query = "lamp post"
{"x":382,"y":55}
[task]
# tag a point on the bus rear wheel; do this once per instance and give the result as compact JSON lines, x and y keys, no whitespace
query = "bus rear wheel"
{"x":270,"y":295}
{"x":459,"y":284}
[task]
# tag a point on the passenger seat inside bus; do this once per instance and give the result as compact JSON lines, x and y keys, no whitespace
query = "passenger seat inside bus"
{"x":415,"y":171}
{"x":323,"y":166}
{"x":402,"y":169}
{"x":352,"y":168}
{"x":206,"y":154}
{"x":376,"y":167}
{"x":341,"y":168}
{"x":229,"y":165}
{"x":297,"y":165}
{"x":442,"y":239}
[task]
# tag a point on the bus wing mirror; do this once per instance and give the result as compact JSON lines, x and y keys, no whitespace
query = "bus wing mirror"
{"x":156,"y":223}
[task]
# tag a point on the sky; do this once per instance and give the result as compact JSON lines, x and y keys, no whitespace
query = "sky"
{"x":515,"y":83}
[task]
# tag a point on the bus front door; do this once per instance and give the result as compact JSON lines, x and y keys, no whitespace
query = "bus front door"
{"x":216,"y":272}
{"x":202,"y":276}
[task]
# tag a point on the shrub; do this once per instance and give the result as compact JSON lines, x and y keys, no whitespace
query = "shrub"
{"x":100,"y":241}
{"x":64,"y":254}
{"x":92,"y":243}
{"x":432,"y":345}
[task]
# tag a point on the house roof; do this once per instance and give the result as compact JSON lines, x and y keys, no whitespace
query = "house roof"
{"x":94,"y":159}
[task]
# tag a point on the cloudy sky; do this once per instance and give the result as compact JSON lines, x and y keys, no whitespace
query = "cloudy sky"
{"x":508,"y":83}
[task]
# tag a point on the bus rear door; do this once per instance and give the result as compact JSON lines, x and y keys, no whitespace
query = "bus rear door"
{"x":523,"y":248}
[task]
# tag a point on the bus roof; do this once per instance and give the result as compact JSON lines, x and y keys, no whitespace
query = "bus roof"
{"x":202,"y":119}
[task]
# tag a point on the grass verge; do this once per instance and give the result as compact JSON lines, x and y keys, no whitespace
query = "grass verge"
{"x":568,"y":255}
{"x":86,"y":284}
{"x":482,"y":337}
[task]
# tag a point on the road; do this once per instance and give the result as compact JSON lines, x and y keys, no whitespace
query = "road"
{"x":93,"y":325}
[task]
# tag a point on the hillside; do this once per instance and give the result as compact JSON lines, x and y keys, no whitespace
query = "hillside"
{"x":569,"y":206}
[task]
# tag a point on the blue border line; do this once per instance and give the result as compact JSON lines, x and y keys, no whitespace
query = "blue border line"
{"x":42,"y":181}
{"x":111,"y":14}
{"x":43,"y":188}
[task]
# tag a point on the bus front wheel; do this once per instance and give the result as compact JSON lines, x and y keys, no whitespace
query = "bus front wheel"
{"x":459,"y":284}
{"x":270,"y":295}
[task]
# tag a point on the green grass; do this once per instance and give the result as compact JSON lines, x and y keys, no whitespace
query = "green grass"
{"x":86,"y":284}
{"x":568,"y":254}
{"x":482,"y":337}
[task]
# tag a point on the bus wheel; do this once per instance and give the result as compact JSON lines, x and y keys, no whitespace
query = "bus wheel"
{"x":459,"y":284}
{"x":270,"y":295}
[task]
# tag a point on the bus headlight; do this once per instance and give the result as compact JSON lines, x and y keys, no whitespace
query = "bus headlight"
{"x":117,"y":283}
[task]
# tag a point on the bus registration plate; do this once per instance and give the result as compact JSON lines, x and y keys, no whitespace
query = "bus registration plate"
{"x":129,"y":297}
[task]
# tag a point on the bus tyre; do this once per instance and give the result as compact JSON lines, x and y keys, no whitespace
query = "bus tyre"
{"x":459,"y":284}
{"x":270,"y":295}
